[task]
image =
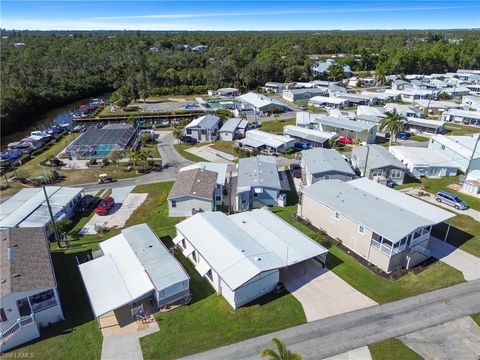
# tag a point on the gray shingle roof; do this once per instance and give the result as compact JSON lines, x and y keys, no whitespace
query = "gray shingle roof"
{"x":25,"y":260}
{"x":196,"y":182}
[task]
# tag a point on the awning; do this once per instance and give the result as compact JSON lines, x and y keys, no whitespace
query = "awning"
{"x":188,"y":251}
{"x":176,"y":240}
{"x":202,"y":268}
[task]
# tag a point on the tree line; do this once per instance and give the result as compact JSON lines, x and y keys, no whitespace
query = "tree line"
{"x":54,"y":68}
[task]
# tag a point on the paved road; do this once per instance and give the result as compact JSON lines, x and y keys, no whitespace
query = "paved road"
{"x":341,"y":333}
{"x":172,"y":161}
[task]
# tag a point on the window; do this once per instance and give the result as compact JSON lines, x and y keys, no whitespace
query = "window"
{"x":43,"y":300}
{"x":327,"y":177}
{"x":443,"y":147}
{"x":395,"y":173}
{"x":3,"y":317}
{"x":337,"y":215}
{"x":209,"y":274}
{"x":174,"y":203}
{"x":70,"y":204}
{"x":361,"y":229}
{"x":184,"y":244}
{"x":189,"y":132}
{"x":194,"y":256}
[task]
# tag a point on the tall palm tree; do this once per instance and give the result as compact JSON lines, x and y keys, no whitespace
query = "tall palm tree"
{"x":333,"y":141}
{"x":393,"y":123}
{"x":281,"y":353}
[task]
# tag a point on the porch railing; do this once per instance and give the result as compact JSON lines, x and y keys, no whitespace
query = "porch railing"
{"x":20,"y":323}
{"x":420,"y":249}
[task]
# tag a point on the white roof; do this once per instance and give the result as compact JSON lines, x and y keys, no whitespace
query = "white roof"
{"x":265,"y":138}
{"x":258,"y":171}
{"x":401,"y":109}
{"x":308,"y":134}
{"x":370,"y":111}
{"x":464,"y":113}
{"x":28,"y":208}
{"x":240,"y":246}
{"x":204,"y":122}
{"x":462,"y":145}
{"x":422,"y":157}
{"x":327,"y":100}
{"x":219,"y":168}
{"x":302,"y":118}
{"x":344,"y":123}
{"x":424,"y":103}
{"x":473,"y":175}
{"x":259,"y":101}
{"x":384,"y":211}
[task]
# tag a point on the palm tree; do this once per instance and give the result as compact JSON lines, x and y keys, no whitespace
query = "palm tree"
{"x":281,"y":353}
{"x":393,"y":123}
{"x":333,"y":141}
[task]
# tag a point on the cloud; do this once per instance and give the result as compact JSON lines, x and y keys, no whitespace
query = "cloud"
{"x":273,"y":12}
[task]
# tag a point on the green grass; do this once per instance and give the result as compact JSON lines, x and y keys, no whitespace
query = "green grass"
{"x":181,"y":149}
{"x":276,"y":126}
{"x":436,"y":276}
{"x":418,"y":138}
{"x":457,"y":129}
{"x":476,"y":318}
{"x":153,"y":148}
{"x":225,"y":146}
{"x":392,"y":349}
{"x":464,"y":234}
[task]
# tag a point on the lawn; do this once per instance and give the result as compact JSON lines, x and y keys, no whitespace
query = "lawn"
{"x":392,"y":349}
{"x":436,"y":276}
{"x":464,"y":234}
{"x":225,"y":146}
{"x":181,"y":149}
{"x":457,"y":129}
{"x":275,"y":126}
{"x":419,"y":138}
{"x":153,"y":149}
{"x":476,"y":318}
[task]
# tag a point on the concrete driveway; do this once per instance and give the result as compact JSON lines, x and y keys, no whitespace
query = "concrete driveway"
{"x":211,"y":154}
{"x":468,"y":264}
{"x":322,"y":293}
{"x":458,"y":339}
{"x":122,"y":347}
{"x":362,"y":353}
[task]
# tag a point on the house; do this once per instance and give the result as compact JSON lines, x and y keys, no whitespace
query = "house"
{"x":345,"y":127}
{"x":275,"y":87}
{"x":375,"y":162}
{"x":409,"y":95}
{"x":403,"y":110}
{"x":370,"y":111}
{"x":424,"y":162}
{"x":28,"y":207}
{"x":220,"y":169}
{"x":474,"y":88}
{"x":311,"y":137}
{"x":303,"y":94}
{"x":459,"y":149}
{"x":471,"y":184}
{"x":472,"y":102}
{"x":193,"y":191}
{"x":227,"y":92}
{"x":357,"y":99}
{"x":457,"y":91}
{"x":199,"y":48}
{"x":244,"y":256}
{"x":324,"y":164}
{"x":232,"y":129}
{"x":258,"y":182}
{"x":424,"y":125}
{"x":327,"y":102}
{"x":401,"y":85}
{"x":135,"y":270}
{"x":320,"y":68}
{"x":434,"y":107}
{"x":362,"y":82}
{"x":381,"y":96}
{"x":261,"y":140}
{"x":29,"y":297}
{"x":204,"y":128}
{"x":262,"y":103}
{"x":462,"y":116}
{"x":387,"y":228}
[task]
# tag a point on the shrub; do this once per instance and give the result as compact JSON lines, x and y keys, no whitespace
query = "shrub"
{"x":92,"y":161}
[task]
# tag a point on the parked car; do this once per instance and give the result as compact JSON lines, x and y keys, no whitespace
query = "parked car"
{"x":296,"y":170}
{"x":105,"y":205}
{"x":303,"y":146}
{"x":403,"y":135}
{"x":87,"y":202}
{"x":451,"y":199}
{"x":188,"y":139}
{"x":268,"y":152}
{"x":345,"y":140}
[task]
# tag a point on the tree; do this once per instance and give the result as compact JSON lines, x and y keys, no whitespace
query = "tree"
{"x":393,"y":123}
{"x":115,"y":157}
{"x":333,"y":141}
{"x":335,"y":72}
{"x":177,"y":133}
{"x":281,"y":352}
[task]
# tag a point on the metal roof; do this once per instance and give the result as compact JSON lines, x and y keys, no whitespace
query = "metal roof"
{"x":321,"y":160}
{"x":230,"y":125}
{"x":204,"y":122}
{"x":327,"y":100}
{"x":240,"y":246}
{"x":28,"y":208}
{"x":258,"y":171}
{"x":343,"y":123}
{"x":370,"y":111}
{"x":259,"y":101}
{"x":462,"y":145}
{"x":384,"y":211}
{"x":308,"y":134}
{"x":261,"y":138}
{"x":432,"y":124}
{"x":463,"y":113}
{"x":378,"y":157}
{"x":422,"y":157}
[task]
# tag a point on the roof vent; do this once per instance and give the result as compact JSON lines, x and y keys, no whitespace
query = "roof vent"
{"x":242,"y":250}
{"x":150,"y":246}
{"x":16,"y":275}
{"x":198,"y":180}
{"x":244,"y":222}
{"x":3,"y":281}
{"x":194,"y":193}
{"x":258,"y":258}
{"x":14,"y":245}
{"x":4,"y":239}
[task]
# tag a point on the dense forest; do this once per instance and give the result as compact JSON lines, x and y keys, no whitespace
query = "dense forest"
{"x":41,"y":70}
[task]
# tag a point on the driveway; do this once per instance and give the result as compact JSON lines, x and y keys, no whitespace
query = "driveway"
{"x":322,"y":293}
{"x":458,"y":339}
{"x":431,"y":199}
{"x":468,"y":264}
{"x":122,"y":347}
{"x":210,"y":154}
{"x":362,"y":353}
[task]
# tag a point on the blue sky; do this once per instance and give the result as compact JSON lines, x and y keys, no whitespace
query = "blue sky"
{"x":238,"y":15}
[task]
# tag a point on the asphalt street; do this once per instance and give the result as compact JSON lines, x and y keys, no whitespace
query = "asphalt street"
{"x":341,"y":333}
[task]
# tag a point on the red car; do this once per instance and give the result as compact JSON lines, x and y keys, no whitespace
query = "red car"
{"x":345,"y":140}
{"x":105,"y":205}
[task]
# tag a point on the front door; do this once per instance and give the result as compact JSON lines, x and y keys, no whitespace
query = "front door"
{"x":24,"y":307}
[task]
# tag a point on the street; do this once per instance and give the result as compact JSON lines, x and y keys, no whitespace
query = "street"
{"x":341,"y":333}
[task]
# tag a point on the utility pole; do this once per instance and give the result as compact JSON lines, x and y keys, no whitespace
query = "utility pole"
{"x":52,"y":219}
{"x":473,"y":155}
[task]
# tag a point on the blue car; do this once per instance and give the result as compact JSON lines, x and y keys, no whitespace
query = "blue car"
{"x":403,"y":135}
{"x":303,"y":146}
